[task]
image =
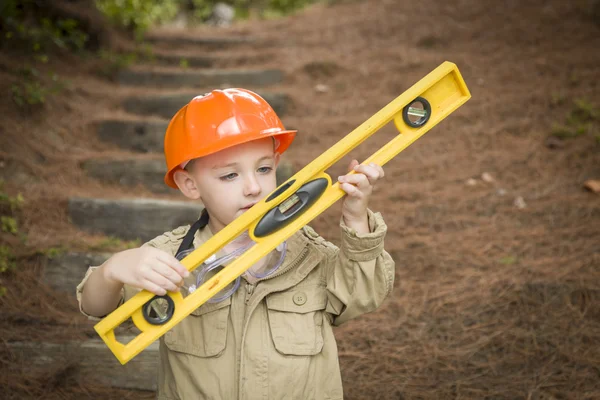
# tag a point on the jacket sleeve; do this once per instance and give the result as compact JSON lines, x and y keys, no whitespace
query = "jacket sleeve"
{"x":360,"y":274}
{"x":167,"y":242}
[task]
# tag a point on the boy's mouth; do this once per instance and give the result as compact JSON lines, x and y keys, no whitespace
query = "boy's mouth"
{"x":246,"y":208}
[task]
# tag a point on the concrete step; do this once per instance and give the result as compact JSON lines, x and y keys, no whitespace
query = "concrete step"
{"x":93,"y":360}
{"x":148,"y":172}
{"x":174,"y":41}
{"x":185,"y":60}
{"x":199,"y":79}
{"x":131,"y":219}
{"x":166,"y":106}
{"x":130,"y":172}
{"x":65,"y":271}
{"x":136,"y":135}
{"x":237,"y":60}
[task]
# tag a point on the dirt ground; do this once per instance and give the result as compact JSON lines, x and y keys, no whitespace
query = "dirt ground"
{"x":497,"y":291}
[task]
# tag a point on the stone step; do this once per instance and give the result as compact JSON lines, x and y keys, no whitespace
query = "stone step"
{"x":130,"y":219}
{"x":166,"y":106}
{"x":175,"y":41}
{"x":148,"y":172}
{"x":237,"y":60}
{"x":136,"y":135}
{"x":65,"y":271}
{"x":199,"y":79}
{"x":130,"y":172}
{"x":94,"y":361}
{"x":184,"y":60}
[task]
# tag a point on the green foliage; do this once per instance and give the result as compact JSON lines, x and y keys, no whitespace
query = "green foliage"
{"x":508,"y":260}
{"x":9,"y":209}
{"x":7,"y":259}
{"x":9,"y":224}
{"x":10,"y":206}
{"x":7,"y":264}
{"x":139,"y":15}
{"x":114,"y":243}
{"x":39,"y":34}
{"x":36,"y":37}
{"x":13,"y":203}
{"x":32,"y":90}
{"x":288,"y":6}
{"x":54,"y":252}
{"x":558,"y":99}
{"x":583,"y":118}
{"x":113,"y":61}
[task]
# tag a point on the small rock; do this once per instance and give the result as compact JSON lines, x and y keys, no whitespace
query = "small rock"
{"x":501,"y":192}
{"x":480,"y":81}
{"x":486,"y":177}
{"x":552,"y":142}
{"x":592,"y":185}
{"x":520,"y":203}
{"x":322,"y":88}
{"x":222,"y":15}
{"x":471,"y":182}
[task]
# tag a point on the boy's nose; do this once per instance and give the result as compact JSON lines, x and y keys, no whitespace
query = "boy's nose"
{"x":251,"y":186}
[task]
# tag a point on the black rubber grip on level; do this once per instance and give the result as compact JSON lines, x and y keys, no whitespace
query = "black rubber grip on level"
{"x":302,"y":199}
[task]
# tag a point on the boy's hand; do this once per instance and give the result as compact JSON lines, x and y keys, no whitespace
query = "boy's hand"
{"x":147,"y":268}
{"x":358,"y":187}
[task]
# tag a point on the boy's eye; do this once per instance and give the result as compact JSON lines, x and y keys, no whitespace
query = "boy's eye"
{"x":228,"y":177}
{"x":265,"y":170}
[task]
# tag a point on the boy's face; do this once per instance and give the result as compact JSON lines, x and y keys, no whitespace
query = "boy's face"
{"x":230,"y":181}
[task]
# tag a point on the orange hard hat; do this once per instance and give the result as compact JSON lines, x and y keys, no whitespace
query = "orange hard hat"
{"x":218,"y":120}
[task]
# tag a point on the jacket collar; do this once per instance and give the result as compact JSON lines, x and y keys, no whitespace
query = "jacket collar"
{"x":299,"y":260}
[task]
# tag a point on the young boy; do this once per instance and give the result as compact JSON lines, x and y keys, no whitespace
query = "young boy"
{"x":270,"y":337}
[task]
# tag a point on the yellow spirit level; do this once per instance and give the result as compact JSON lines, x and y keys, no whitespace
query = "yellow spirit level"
{"x":291,"y":206}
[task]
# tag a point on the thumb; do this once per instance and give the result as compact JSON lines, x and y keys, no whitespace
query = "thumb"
{"x":352,"y":164}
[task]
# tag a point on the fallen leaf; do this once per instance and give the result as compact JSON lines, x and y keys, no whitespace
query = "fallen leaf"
{"x":520,"y":203}
{"x":322,"y":88}
{"x":592,"y":185}
{"x":487,"y":177}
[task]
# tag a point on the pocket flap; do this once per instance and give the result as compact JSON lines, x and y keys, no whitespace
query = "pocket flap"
{"x":301,"y":300}
{"x":209,"y":307}
{"x":203,"y":333}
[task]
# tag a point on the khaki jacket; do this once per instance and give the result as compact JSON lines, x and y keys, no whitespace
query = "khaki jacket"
{"x":273,"y":339}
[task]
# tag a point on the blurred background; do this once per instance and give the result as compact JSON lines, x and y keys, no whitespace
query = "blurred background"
{"x":493,"y":216}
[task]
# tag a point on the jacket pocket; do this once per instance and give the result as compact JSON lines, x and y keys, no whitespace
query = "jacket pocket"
{"x":203,"y":333}
{"x":296,"y":320}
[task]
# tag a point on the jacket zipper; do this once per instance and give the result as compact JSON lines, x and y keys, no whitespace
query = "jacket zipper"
{"x":294,"y":263}
{"x":251,"y":286}
{"x":249,"y":290}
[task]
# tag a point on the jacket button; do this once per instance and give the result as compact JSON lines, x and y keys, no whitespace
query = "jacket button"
{"x":299,"y":298}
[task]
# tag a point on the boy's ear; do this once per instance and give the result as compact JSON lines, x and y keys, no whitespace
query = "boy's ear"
{"x":277,"y":158}
{"x":186,"y":184}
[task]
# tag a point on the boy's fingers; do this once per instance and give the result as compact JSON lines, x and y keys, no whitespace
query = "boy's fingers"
{"x":371,"y":171}
{"x":167,"y":272}
{"x":352,"y":165}
{"x":359,"y":180}
{"x":162,"y":281}
{"x":153,"y":288}
{"x":174,"y":263}
{"x":351,"y":190}
{"x":378,"y":168}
